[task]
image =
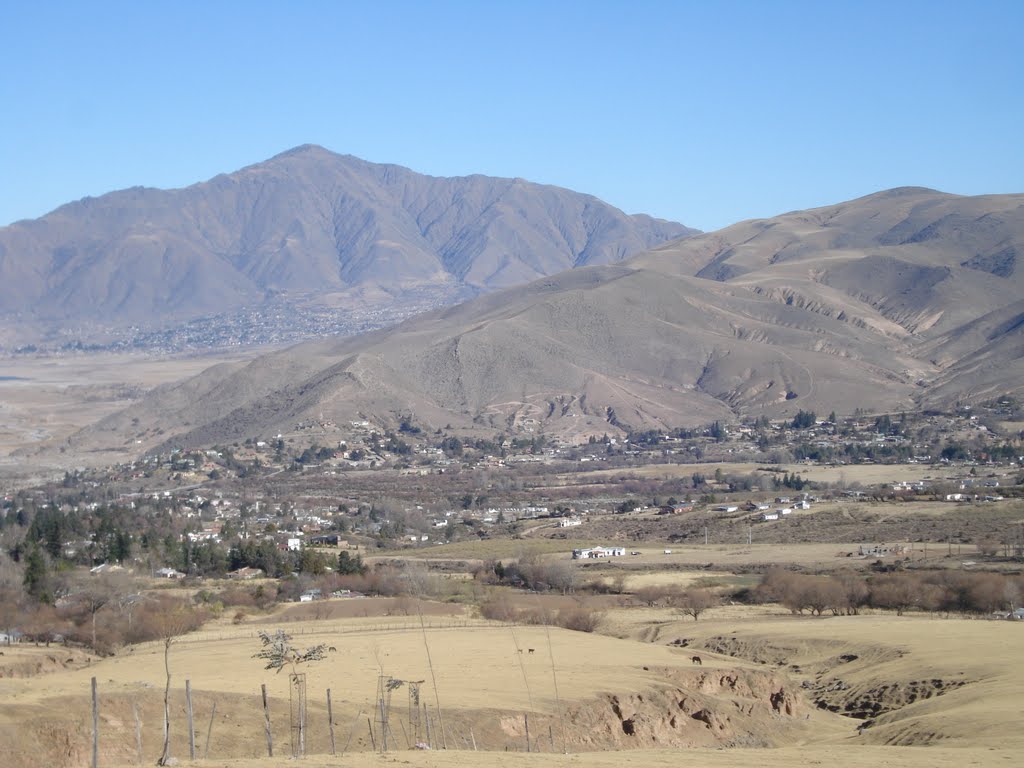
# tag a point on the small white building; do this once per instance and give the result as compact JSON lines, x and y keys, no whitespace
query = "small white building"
{"x":596,"y":552}
{"x":770,"y":516}
{"x":569,"y":522}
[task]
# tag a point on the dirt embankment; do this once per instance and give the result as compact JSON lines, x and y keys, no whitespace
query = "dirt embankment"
{"x":25,"y":660}
{"x":680,"y":708}
{"x":835,"y":679}
{"x":712,"y":708}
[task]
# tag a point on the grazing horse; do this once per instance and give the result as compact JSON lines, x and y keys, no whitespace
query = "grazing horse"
{"x":332,"y":649}
{"x":529,"y":650}
{"x":697,"y":660}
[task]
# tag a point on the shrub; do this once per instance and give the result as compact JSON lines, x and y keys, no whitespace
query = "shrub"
{"x":579,"y":619}
{"x":499,"y":609}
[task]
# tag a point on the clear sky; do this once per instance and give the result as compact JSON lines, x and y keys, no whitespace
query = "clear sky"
{"x":706,"y":113}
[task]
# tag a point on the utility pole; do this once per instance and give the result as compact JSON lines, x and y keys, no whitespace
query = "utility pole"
{"x":705,"y":535}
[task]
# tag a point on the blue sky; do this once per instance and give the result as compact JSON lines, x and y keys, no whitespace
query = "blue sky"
{"x":706,"y":113}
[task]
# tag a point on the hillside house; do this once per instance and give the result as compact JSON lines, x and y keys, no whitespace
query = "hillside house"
{"x":244,"y":574}
{"x":328,"y":540}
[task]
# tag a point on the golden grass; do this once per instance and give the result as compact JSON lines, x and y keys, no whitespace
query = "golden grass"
{"x":478,"y":672}
{"x":53,"y":397}
{"x":985,"y":654}
{"x":843,"y":756}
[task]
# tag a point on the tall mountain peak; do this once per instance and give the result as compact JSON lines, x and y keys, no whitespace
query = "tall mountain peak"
{"x":334,"y":229}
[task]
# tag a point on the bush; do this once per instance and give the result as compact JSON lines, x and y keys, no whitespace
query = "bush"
{"x":654,"y":594}
{"x":499,"y":609}
{"x":579,"y":619}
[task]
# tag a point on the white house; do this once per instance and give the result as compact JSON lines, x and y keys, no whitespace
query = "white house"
{"x":569,"y":522}
{"x":585,"y":554}
{"x":770,"y":516}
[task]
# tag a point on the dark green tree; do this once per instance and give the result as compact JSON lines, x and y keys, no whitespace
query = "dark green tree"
{"x":37,"y":580}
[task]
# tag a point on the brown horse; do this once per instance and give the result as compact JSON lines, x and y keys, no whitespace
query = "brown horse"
{"x":697,"y":660}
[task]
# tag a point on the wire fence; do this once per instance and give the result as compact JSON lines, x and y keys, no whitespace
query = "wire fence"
{"x":251,"y":631}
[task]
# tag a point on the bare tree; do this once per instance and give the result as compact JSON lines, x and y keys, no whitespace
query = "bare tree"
{"x":174,"y":618}
{"x":94,"y":592}
{"x":899,"y":591}
{"x":854,"y":592}
{"x":653,"y":594}
{"x":693,"y":602}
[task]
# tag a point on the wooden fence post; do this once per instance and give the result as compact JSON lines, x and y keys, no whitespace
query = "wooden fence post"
{"x":266,"y":722}
{"x":95,"y":726}
{"x":191,"y":724}
{"x":330,"y":721}
{"x":138,"y":730}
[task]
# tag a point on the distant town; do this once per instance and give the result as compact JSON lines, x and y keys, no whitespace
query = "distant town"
{"x":289,"y":503}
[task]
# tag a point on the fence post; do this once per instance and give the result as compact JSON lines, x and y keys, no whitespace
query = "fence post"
{"x":209,"y":730}
{"x":330,"y":721}
{"x":95,"y":726}
{"x":191,"y":726}
{"x":266,"y":722}
{"x":138,"y":730}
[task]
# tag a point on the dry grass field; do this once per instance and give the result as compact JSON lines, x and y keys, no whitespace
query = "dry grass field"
{"x":44,"y":400}
{"x":851,"y":474}
{"x":770,"y":692}
{"x":825,"y":755}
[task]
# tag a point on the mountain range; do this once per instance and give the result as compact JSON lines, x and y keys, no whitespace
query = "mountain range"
{"x":307,"y":227}
{"x":904,"y":299}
